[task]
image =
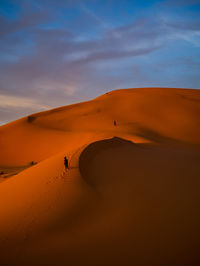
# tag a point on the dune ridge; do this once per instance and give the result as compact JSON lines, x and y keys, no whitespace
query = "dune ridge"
{"x":131,"y":195}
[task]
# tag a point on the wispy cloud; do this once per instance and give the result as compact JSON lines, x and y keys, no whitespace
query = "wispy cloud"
{"x":7,"y":101}
{"x":93,"y":15}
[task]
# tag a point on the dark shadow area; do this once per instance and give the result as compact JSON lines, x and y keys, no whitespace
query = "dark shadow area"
{"x":189,"y":98}
{"x":92,"y":150}
{"x":154,"y":136}
{"x":31,"y":118}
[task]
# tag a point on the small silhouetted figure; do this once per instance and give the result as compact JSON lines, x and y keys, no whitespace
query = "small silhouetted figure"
{"x":66,"y":163}
{"x":115,"y":123}
{"x":32,"y":163}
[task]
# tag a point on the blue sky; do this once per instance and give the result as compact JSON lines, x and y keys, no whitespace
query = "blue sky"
{"x":54,"y":53}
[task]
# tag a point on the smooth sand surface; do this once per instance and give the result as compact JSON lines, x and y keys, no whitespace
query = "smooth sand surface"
{"x":131,"y":195}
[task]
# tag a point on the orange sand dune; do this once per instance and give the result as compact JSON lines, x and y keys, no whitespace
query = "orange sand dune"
{"x":131,"y":195}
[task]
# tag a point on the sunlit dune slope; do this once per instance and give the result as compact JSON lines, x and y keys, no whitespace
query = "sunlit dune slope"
{"x":157,"y":114}
{"x":131,"y":194}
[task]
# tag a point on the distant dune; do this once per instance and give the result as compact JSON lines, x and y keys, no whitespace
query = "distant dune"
{"x":130,"y":196}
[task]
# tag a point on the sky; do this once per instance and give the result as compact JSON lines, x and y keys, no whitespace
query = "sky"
{"x":58,"y":52}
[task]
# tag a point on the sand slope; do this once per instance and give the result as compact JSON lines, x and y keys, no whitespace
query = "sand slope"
{"x":131,"y":196}
{"x":155,"y":114}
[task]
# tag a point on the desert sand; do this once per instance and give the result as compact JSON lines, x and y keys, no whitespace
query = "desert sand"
{"x":132,"y":192}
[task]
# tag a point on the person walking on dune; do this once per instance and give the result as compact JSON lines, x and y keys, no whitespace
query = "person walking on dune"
{"x":66,"y":163}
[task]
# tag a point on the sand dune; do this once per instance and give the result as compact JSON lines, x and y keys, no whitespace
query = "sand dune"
{"x":155,"y":114}
{"x":131,"y":195}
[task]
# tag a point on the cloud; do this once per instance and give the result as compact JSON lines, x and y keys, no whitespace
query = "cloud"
{"x":7,"y":101}
{"x":185,"y":30}
{"x":94,"y":17}
{"x":58,"y":58}
{"x":13,"y":107}
{"x":183,"y":25}
{"x":26,"y":21}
